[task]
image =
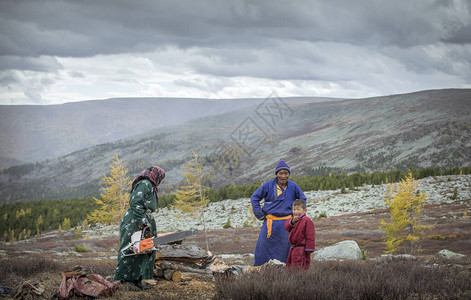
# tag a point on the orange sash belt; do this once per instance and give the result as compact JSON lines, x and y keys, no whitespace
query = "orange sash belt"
{"x":270,"y":219}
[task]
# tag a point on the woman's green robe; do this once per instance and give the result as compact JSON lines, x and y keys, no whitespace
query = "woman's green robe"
{"x":136,"y":267}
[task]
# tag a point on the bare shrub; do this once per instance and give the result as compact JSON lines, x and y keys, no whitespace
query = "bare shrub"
{"x":31,"y":266}
{"x":397,"y":279}
{"x":28,"y":266}
{"x":105,"y":267}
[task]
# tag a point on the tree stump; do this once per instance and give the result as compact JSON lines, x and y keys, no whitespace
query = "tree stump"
{"x":177,"y":277}
{"x":168,"y":273}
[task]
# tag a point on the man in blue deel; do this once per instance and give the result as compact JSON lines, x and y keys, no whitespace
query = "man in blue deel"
{"x":279,"y":194}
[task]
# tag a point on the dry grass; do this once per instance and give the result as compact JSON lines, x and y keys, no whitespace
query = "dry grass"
{"x":397,"y":279}
{"x":24,"y":267}
{"x":47,"y":273}
{"x":43,"y":260}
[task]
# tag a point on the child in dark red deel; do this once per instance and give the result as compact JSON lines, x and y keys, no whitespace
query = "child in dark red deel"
{"x":302,"y":237}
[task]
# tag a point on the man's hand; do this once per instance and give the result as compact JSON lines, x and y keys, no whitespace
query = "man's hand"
{"x":295,"y":219}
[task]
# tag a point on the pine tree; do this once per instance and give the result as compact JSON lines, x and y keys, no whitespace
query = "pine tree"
{"x":405,"y":203}
{"x":66,"y":224}
{"x":85,"y":224}
{"x":78,"y":233}
{"x":12,"y":235}
{"x":115,"y":198}
{"x":191,"y":198}
{"x":39,"y":222}
{"x":228,"y":223}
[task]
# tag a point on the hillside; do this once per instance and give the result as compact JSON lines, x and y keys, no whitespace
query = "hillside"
{"x":31,"y":133}
{"x":36,"y":132}
{"x":423,"y":129}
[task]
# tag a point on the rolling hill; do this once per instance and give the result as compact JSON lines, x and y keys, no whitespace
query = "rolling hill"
{"x":416,"y":130}
{"x":31,"y":133}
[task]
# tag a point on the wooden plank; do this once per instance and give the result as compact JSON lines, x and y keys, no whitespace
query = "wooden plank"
{"x":190,"y":252}
{"x":181,"y":267}
{"x":174,"y":237}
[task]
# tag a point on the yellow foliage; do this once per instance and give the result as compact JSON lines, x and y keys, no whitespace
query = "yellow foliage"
{"x":22,"y":213}
{"x":190,"y":198}
{"x":441,"y":237}
{"x":12,"y":235}
{"x":405,"y":203}
{"x":66,"y":224}
{"x":78,"y":233}
{"x":39,"y":222}
{"x":114,"y":200}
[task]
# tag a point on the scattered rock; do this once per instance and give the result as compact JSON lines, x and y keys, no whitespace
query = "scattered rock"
{"x":455,"y":266}
{"x":341,"y":250}
{"x":449,"y":254}
{"x":332,"y":203}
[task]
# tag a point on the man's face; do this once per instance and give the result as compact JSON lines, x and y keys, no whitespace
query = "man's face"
{"x":298,"y":210}
{"x":282,"y":176}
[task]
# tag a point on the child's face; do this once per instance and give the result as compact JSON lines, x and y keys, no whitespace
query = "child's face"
{"x":298,"y":210}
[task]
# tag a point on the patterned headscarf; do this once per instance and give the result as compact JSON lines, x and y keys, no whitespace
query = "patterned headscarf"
{"x":154,"y":174}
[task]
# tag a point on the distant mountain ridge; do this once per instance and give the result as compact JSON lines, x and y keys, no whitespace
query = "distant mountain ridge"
{"x":416,"y":130}
{"x":31,"y":133}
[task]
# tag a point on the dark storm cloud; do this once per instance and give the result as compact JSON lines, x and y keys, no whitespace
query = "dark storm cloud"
{"x":87,"y":28}
{"x":370,"y":41}
{"x":461,"y":36}
{"x":38,"y":64}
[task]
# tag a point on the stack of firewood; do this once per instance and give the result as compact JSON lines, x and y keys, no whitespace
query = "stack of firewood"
{"x":177,"y":262}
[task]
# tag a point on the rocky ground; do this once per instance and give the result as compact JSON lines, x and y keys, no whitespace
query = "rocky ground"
{"x":331,"y":203}
{"x":355,"y":215}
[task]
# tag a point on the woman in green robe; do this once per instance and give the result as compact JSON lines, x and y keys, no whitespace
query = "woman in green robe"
{"x":143,"y":201}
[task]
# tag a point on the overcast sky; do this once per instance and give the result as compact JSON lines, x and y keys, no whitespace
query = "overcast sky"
{"x":62,"y":51}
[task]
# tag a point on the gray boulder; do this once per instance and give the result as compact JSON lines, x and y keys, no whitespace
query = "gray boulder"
{"x":340,"y":250}
{"x":449,"y":254}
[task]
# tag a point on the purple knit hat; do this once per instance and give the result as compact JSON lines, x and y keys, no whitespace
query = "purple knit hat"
{"x":282,"y":166}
